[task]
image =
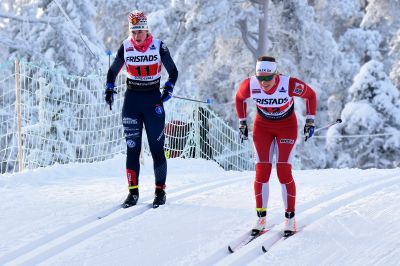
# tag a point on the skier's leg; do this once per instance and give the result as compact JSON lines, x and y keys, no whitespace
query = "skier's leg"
{"x":284,"y":171}
{"x":261,"y":187}
{"x":286,"y":140}
{"x":133,"y":127}
{"x":154,"y":121}
{"x":264,"y":149}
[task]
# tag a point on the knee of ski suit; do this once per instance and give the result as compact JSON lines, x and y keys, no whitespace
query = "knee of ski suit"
{"x":263,"y":172}
{"x":284,"y":172}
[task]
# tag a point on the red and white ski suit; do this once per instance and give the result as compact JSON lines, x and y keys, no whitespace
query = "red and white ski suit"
{"x":274,"y":132}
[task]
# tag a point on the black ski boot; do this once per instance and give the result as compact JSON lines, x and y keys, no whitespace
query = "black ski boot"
{"x":159,"y":198}
{"x":132,"y":198}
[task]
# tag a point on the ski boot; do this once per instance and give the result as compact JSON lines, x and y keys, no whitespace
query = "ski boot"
{"x":132,"y":198}
{"x":259,"y":226}
{"x":159,"y":198}
{"x":290,"y":225}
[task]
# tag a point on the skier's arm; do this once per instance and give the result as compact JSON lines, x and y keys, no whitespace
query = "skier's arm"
{"x":242,"y":94}
{"x":168,"y":63}
{"x":299,"y":88}
{"x":116,"y":66}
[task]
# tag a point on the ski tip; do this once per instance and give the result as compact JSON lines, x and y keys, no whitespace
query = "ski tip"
{"x":230,"y":249}
{"x":264,"y":249}
{"x":338,"y":120}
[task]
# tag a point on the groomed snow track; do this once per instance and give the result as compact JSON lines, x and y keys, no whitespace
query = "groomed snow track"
{"x":308,"y":213}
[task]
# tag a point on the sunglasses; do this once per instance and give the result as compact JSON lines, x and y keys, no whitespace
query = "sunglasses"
{"x":265,"y":78}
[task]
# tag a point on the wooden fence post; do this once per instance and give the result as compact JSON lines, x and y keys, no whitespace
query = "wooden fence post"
{"x":18,"y":110}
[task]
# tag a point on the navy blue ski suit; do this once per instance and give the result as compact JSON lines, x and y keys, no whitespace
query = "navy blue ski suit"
{"x":143,"y":106}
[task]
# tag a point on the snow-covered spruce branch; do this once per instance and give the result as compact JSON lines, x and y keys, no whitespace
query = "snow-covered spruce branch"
{"x":14,"y":45}
{"x":31,"y":19}
{"x":85,"y":40}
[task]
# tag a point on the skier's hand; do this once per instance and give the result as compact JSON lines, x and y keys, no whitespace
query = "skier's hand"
{"x":243,"y":130}
{"x":309,"y":128}
{"x":109,"y":94}
{"x":168,"y":90}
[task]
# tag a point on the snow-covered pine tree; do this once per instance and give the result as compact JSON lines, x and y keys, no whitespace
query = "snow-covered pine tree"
{"x":395,"y":52}
{"x":5,"y":41}
{"x":8,"y":139}
{"x":373,"y":108}
{"x":382,"y":16}
{"x":338,"y":16}
{"x":360,"y":44}
{"x":357,"y":46}
{"x":66,"y":46}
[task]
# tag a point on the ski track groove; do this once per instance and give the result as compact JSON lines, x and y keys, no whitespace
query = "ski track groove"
{"x":327,"y":208}
{"x":68,"y":236}
{"x":307,"y":215}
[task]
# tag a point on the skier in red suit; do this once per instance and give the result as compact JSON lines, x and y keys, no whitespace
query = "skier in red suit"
{"x":274,"y":132}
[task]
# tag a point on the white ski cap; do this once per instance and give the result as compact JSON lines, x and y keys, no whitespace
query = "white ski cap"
{"x":266,"y":67}
{"x":137,"y":21}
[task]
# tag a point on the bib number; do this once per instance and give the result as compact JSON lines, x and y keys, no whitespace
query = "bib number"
{"x":144,"y":70}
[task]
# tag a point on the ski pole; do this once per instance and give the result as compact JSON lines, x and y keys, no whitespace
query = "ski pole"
{"x":109,"y":58}
{"x":338,"y":121}
{"x":108,"y":52}
{"x":208,"y":101}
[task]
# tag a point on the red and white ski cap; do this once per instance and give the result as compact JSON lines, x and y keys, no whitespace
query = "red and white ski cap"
{"x":266,"y":67}
{"x":137,"y":21}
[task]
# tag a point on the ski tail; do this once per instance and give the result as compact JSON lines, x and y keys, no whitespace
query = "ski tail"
{"x":249,"y":237}
{"x":279,"y":238}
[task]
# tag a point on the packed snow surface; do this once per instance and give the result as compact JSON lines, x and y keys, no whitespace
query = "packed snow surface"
{"x":69,"y":215}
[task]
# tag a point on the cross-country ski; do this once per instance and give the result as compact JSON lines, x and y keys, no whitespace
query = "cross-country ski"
{"x":249,"y":237}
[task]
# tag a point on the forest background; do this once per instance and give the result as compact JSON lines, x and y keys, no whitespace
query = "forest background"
{"x":348,"y":51}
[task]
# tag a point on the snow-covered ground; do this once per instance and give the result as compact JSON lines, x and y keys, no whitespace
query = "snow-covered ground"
{"x":50,"y":216}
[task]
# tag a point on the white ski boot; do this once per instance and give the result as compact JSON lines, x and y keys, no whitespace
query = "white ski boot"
{"x":259,"y":226}
{"x":290,"y":224}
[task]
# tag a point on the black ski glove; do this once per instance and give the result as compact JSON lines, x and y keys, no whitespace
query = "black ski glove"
{"x":243,"y":130}
{"x":168,"y":90}
{"x":109,"y":94}
{"x":309,"y":128}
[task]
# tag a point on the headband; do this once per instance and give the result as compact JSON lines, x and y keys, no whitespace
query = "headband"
{"x":266,"y":66}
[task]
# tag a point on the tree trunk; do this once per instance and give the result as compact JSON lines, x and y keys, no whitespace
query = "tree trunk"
{"x":262,"y":30}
